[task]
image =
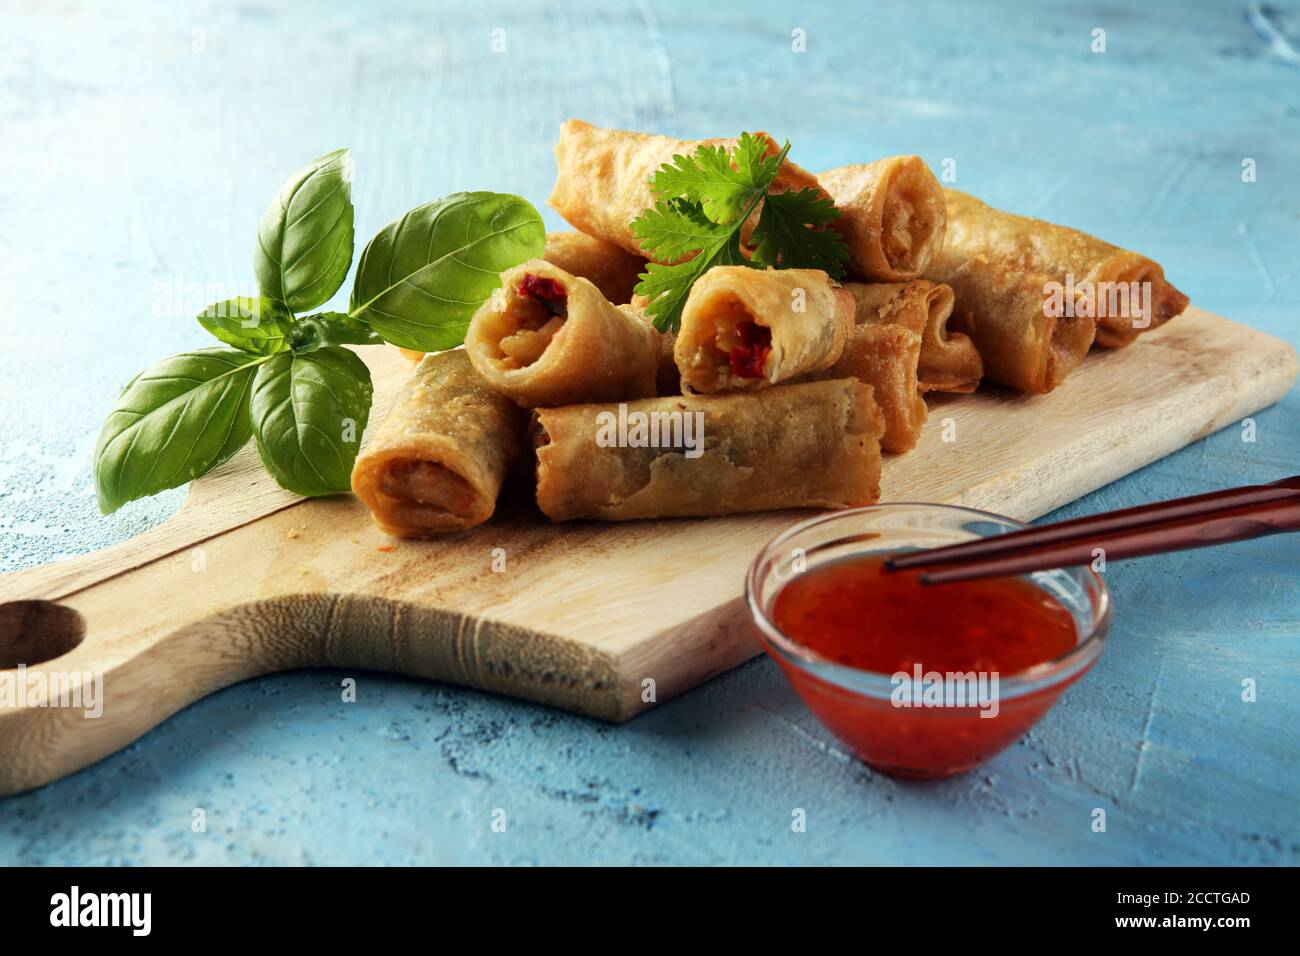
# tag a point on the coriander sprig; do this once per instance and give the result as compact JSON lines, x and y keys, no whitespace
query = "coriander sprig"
{"x":705,"y":199}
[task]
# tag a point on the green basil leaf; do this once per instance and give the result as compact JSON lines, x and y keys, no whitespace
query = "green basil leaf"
{"x":308,"y":413}
{"x":172,"y":423}
{"x":330,"y":328}
{"x":304,"y":244}
{"x":253,"y":325}
{"x":422,"y":278}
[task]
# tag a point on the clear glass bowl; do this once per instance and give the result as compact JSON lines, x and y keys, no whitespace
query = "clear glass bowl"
{"x":857,"y":705}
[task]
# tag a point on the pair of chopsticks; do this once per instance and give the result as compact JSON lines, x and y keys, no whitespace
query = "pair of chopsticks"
{"x":1236,"y":514}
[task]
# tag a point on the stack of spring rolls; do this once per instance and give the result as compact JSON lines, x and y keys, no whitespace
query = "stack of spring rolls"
{"x":781,"y":387}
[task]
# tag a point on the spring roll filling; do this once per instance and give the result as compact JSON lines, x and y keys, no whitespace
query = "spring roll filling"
{"x":906,"y":217}
{"x":547,"y":291}
{"x":741,"y":347}
{"x":534,"y":314}
{"x":428,"y":484}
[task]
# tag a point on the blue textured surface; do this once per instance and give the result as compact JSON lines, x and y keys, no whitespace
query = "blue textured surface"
{"x":141,"y":142}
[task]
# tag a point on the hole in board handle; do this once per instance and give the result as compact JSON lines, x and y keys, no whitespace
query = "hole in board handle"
{"x":33,"y":632}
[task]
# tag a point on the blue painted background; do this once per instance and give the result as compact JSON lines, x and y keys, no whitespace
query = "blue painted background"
{"x":141,"y":142}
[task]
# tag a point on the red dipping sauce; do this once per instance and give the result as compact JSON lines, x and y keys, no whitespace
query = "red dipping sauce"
{"x":858,"y":613}
{"x":919,"y":680}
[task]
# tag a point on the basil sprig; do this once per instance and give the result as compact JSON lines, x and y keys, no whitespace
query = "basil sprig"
{"x":304,"y":244}
{"x":201,"y":396}
{"x":289,"y":381}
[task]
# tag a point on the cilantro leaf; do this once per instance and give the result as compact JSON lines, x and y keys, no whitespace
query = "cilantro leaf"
{"x":675,"y":228}
{"x":703,"y":202}
{"x":724,"y":183}
{"x":672,"y":230}
{"x":788,"y":235}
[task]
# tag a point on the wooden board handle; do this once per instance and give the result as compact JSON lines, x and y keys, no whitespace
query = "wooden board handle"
{"x":112,"y":692}
{"x":139,"y":646}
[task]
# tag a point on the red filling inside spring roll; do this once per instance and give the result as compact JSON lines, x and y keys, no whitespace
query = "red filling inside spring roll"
{"x":748,"y":358}
{"x":542,"y":306}
{"x":549,"y":292}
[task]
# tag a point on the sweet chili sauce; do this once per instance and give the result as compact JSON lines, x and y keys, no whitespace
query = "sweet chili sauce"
{"x":861,"y":615}
{"x":857,"y":613}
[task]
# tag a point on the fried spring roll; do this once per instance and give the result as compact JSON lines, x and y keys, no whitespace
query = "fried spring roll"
{"x":810,"y":445}
{"x":1024,"y":339}
{"x":548,"y":338}
{"x":612,"y":270}
{"x":438,"y":461}
{"x":886,"y":357}
{"x":603,"y":178}
{"x":949,"y":360}
{"x":1128,"y":292}
{"x":892,"y":216}
{"x":668,"y":381}
{"x":750,"y":328}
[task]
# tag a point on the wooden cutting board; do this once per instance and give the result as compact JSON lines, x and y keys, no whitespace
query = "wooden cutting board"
{"x":247,"y":579}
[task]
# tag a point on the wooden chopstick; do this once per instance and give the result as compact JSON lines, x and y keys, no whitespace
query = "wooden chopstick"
{"x":1199,"y":521}
{"x":1105,"y":523}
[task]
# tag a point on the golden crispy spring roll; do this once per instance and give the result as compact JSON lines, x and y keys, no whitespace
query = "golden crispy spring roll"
{"x":949,"y":360}
{"x":438,"y":461}
{"x":548,"y":338}
{"x":891,"y":215}
{"x":603,"y":179}
{"x":611,"y":269}
{"x":810,"y":445}
{"x":1126,"y":293}
{"x":1023,"y":338}
{"x":750,"y":328}
{"x":886,"y":357}
{"x":668,"y":381}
